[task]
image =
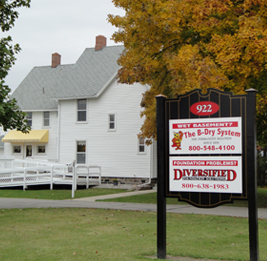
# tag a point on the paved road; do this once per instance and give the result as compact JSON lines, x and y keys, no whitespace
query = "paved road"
{"x":9,"y":203}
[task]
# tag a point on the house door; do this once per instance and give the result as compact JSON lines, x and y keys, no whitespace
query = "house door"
{"x":28,"y":151}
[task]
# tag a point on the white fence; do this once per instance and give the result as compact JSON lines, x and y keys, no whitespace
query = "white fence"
{"x":30,"y":172}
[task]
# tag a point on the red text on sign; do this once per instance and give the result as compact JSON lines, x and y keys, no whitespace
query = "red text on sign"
{"x":228,"y":174}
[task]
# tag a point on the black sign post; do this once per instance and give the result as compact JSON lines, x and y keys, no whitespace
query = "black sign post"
{"x":161,"y":200}
{"x":252,"y":177}
{"x":228,"y":138}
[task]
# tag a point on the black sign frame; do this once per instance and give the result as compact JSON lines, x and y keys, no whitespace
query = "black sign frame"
{"x":231,"y":105}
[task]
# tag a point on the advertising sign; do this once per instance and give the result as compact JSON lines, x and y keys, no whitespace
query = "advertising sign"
{"x":206,"y":154}
{"x":205,"y":136}
{"x":202,"y":174}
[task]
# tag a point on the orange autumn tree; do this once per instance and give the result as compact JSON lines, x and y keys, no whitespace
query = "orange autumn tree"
{"x":175,"y":46}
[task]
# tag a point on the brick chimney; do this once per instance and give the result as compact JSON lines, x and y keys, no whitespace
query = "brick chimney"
{"x":100,"y":42}
{"x":55,"y":60}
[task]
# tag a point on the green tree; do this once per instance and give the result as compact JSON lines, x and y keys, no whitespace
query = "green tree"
{"x":11,"y":117}
{"x":177,"y":46}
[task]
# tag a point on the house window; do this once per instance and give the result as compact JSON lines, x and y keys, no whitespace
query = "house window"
{"x":112,"y":122}
{"x":16,"y":149}
{"x":81,"y":152}
{"x":41,"y":149}
{"x":46,"y":118}
{"x":29,"y":118}
{"x":81,"y":110}
{"x":141,"y":146}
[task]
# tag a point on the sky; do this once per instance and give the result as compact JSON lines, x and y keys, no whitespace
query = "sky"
{"x":63,"y":26}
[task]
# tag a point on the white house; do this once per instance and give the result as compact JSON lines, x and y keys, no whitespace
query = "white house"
{"x":80,"y":112}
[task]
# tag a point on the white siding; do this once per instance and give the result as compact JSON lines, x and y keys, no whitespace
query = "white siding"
{"x":51,"y":146}
{"x":115,"y":151}
{"x":7,"y":150}
{"x":155,"y":161}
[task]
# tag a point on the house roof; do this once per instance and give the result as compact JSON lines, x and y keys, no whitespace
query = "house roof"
{"x":87,"y":78}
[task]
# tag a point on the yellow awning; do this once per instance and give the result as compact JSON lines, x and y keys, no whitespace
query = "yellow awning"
{"x":33,"y":136}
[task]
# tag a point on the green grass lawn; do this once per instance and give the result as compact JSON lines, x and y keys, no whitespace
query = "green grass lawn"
{"x":152,"y":199}
{"x":93,"y":234}
{"x":56,"y":194}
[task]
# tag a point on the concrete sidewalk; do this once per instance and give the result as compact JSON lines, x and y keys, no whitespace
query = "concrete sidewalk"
{"x":118,"y":195}
{"x":9,"y":203}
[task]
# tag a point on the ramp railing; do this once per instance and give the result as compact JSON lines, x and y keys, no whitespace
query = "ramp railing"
{"x":14,"y":172}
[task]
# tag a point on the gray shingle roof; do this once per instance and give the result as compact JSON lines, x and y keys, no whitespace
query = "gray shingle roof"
{"x":86,"y":78}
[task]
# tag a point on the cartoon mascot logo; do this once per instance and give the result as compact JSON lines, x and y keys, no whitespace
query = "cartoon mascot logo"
{"x":176,"y":141}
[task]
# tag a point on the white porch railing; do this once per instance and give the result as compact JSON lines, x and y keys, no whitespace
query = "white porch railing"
{"x":30,"y":172}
